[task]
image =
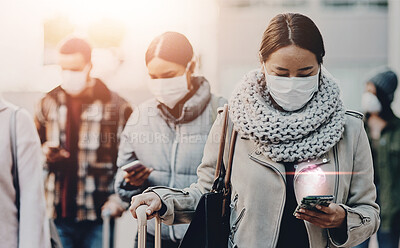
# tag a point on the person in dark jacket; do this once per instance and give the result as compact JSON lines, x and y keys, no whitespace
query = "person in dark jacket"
{"x":383,"y":129}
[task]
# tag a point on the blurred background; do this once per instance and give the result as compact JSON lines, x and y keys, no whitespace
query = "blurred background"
{"x":359,"y":35}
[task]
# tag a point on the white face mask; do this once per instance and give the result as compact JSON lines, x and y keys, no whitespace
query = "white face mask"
{"x":370,"y":103}
{"x":74,"y":82}
{"x":292,"y":93}
{"x":169,"y":91}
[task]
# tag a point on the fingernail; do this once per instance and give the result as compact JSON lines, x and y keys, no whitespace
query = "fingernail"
{"x":301,"y":211}
{"x":318,"y":207}
{"x":297,"y":215}
{"x":148,"y":211}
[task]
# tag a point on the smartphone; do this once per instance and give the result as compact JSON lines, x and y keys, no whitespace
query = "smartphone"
{"x":132,"y":166}
{"x":310,"y":202}
{"x":54,"y":148}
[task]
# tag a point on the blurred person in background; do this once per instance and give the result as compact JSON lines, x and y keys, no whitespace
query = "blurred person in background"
{"x":31,"y":227}
{"x":79,"y":123}
{"x":383,"y":129}
{"x":295,"y":139}
{"x":167,"y":133}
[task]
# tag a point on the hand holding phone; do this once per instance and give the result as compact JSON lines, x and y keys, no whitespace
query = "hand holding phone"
{"x":54,"y":153}
{"x":136,"y":173}
{"x":321,"y":211}
{"x":132,"y":166}
{"x":310,"y":202}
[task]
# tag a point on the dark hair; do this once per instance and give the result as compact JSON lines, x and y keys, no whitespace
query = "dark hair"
{"x":292,"y":29}
{"x":77,"y":45}
{"x":170,"y":46}
{"x":386,"y":112}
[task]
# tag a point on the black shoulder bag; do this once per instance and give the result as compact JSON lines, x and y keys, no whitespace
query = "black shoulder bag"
{"x":210,"y":227}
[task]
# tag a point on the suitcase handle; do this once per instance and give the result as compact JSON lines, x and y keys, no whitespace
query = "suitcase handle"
{"x":106,"y":215}
{"x":142,"y":227}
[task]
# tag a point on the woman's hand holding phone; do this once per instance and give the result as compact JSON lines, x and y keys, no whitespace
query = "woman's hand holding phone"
{"x":331,"y":215}
{"x":136,"y":173}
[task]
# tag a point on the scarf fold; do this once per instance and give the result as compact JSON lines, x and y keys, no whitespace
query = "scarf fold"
{"x":288,"y":136}
{"x":192,"y":107}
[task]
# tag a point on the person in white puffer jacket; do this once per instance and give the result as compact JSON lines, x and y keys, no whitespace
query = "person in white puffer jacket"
{"x":167,"y":133}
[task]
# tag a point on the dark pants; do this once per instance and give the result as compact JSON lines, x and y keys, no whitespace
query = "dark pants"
{"x":388,"y":239}
{"x":150,"y":242}
{"x":83,"y":234}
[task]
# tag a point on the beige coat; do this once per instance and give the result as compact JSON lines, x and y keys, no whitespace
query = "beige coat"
{"x":258,"y":190}
{"x":34,"y":225}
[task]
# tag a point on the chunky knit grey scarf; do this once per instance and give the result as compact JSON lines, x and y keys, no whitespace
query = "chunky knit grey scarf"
{"x":288,"y":136}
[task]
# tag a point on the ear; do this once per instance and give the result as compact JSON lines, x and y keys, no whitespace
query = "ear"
{"x":90,"y":65}
{"x":192,"y":66}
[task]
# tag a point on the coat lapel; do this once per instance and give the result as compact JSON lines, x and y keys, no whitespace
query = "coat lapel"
{"x":3,"y":105}
{"x":257,"y":156}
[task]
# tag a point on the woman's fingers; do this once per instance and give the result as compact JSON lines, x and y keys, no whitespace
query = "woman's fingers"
{"x":150,"y":199}
{"x":312,"y":219}
{"x":139,"y":178}
{"x":328,"y":210}
{"x":154,"y":206}
{"x":140,"y":175}
{"x":327,"y":217}
{"x":147,"y":173}
{"x":132,"y":173}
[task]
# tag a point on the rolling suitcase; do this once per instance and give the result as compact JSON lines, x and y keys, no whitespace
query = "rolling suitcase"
{"x":142,"y":228}
{"x":106,"y":228}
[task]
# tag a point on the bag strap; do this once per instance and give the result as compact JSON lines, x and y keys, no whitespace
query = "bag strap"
{"x":230,"y":161}
{"x":222,"y":180}
{"x":218,"y":169}
{"x":14,"y":155}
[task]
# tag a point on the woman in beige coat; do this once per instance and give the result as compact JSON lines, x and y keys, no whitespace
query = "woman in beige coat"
{"x":295,"y":139}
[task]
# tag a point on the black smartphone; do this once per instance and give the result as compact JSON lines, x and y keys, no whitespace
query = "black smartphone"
{"x":132,"y":166}
{"x":54,"y":149}
{"x":311,"y":201}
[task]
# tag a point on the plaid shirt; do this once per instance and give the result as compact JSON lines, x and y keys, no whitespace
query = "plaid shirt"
{"x":102,"y":122}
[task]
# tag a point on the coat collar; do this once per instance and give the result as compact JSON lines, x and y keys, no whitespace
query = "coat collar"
{"x":3,"y":104}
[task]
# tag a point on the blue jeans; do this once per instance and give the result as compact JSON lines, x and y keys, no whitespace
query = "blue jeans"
{"x":386,"y":239}
{"x":364,"y":244}
{"x":389,"y":239}
{"x":83,"y":234}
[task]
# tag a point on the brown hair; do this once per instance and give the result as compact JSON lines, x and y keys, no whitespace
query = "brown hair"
{"x":170,"y":46}
{"x":292,"y":29}
{"x":77,"y":45}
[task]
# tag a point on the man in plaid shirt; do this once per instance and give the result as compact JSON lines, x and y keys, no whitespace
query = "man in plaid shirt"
{"x":79,"y":123}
